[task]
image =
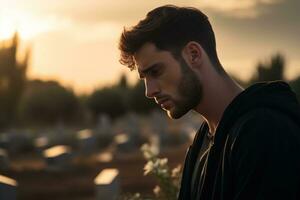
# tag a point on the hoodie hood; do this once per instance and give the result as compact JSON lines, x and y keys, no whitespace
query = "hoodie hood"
{"x":275,"y":95}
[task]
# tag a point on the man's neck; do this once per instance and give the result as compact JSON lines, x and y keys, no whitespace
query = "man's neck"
{"x":216,"y":98}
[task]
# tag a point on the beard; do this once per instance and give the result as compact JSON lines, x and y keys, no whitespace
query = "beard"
{"x":189,"y":92}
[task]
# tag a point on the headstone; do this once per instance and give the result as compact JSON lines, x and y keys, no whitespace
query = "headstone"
{"x":41,"y":143}
{"x":159,"y":123}
{"x":104,"y":131}
{"x":107,"y":184}
{"x":133,"y":124}
{"x":133,"y":129}
{"x":159,"y":128}
{"x":58,"y":157}
{"x":123,"y":142}
{"x":87,"y":141}
{"x":19,"y":141}
{"x":177,"y":136}
{"x":4,"y":140}
{"x":4,"y":162}
{"x":105,"y":157}
{"x":8,"y":188}
{"x":104,"y":125}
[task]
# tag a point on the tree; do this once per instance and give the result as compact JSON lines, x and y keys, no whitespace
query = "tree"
{"x":118,"y":99}
{"x":295,"y":85}
{"x":107,"y":100}
{"x":47,"y":103}
{"x":137,"y":100}
{"x":12,"y":81}
{"x":123,"y":82}
{"x":274,"y":70}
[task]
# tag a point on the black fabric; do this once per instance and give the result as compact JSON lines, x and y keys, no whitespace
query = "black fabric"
{"x":256,"y":151}
{"x":201,"y":158}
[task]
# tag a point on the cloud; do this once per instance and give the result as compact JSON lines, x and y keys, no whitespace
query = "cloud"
{"x":27,"y":24}
{"x":93,"y":11}
{"x":238,"y":8}
{"x":101,"y":31}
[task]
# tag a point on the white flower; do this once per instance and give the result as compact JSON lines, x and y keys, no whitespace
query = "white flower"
{"x":149,"y":152}
{"x":145,"y":147}
{"x":176,"y":171}
{"x":147,"y":155}
{"x":163,"y":161}
{"x":148,"y":167}
{"x":156,"y":164}
{"x":156,"y":190}
{"x":154,"y":150}
{"x":162,"y":172}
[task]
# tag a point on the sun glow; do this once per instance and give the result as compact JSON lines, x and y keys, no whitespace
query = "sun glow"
{"x":26,"y":24}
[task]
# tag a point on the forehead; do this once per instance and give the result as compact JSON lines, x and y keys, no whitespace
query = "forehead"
{"x":149,"y":55}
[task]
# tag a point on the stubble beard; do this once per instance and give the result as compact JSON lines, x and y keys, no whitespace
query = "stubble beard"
{"x":189,"y":92}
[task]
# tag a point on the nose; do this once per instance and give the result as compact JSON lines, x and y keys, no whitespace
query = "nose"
{"x":151,"y":88}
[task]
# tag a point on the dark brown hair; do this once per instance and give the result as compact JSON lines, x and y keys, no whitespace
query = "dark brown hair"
{"x":169,"y":28}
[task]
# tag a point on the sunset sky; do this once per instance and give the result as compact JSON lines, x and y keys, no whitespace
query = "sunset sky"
{"x":75,"y":41}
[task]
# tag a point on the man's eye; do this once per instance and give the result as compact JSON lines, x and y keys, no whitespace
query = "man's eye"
{"x":155,"y":72}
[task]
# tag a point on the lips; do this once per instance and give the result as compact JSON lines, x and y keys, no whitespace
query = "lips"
{"x":161,"y":101}
{"x":164,"y":103}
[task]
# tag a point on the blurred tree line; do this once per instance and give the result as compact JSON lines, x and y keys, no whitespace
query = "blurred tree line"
{"x":25,"y":102}
{"x":12,"y":80}
{"x":119,"y":99}
{"x":271,"y":70}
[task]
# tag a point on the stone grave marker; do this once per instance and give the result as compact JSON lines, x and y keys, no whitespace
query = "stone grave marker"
{"x":41,"y":143}
{"x":58,"y":157}
{"x":4,"y":162}
{"x":104,"y":125}
{"x":105,"y":157}
{"x":87,"y":141}
{"x":107,"y":184}
{"x":8,"y":188}
{"x":123,"y":142}
{"x":4,"y":140}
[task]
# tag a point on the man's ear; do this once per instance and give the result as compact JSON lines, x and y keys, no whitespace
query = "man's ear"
{"x":193,"y":53}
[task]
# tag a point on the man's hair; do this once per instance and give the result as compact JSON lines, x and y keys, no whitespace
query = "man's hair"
{"x":169,"y":28}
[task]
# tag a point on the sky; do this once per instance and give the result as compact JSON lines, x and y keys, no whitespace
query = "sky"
{"x":76,"y":42}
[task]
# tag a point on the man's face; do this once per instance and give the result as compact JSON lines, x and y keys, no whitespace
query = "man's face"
{"x":172,"y":83}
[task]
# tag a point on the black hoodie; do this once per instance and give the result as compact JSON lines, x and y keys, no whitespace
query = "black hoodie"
{"x":256,"y":151}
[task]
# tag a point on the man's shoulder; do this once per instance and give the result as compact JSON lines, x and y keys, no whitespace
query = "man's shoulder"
{"x":263,"y":118}
{"x":264,"y":127}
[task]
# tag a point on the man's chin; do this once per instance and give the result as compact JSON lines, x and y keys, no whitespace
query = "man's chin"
{"x":175,"y":114}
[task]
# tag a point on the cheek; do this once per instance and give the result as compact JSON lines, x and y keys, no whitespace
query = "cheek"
{"x":170,"y":83}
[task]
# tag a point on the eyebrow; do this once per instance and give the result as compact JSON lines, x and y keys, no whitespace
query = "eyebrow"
{"x":143,"y":72}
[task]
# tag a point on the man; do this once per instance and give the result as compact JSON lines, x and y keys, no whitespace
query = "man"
{"x":249,"y":145}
